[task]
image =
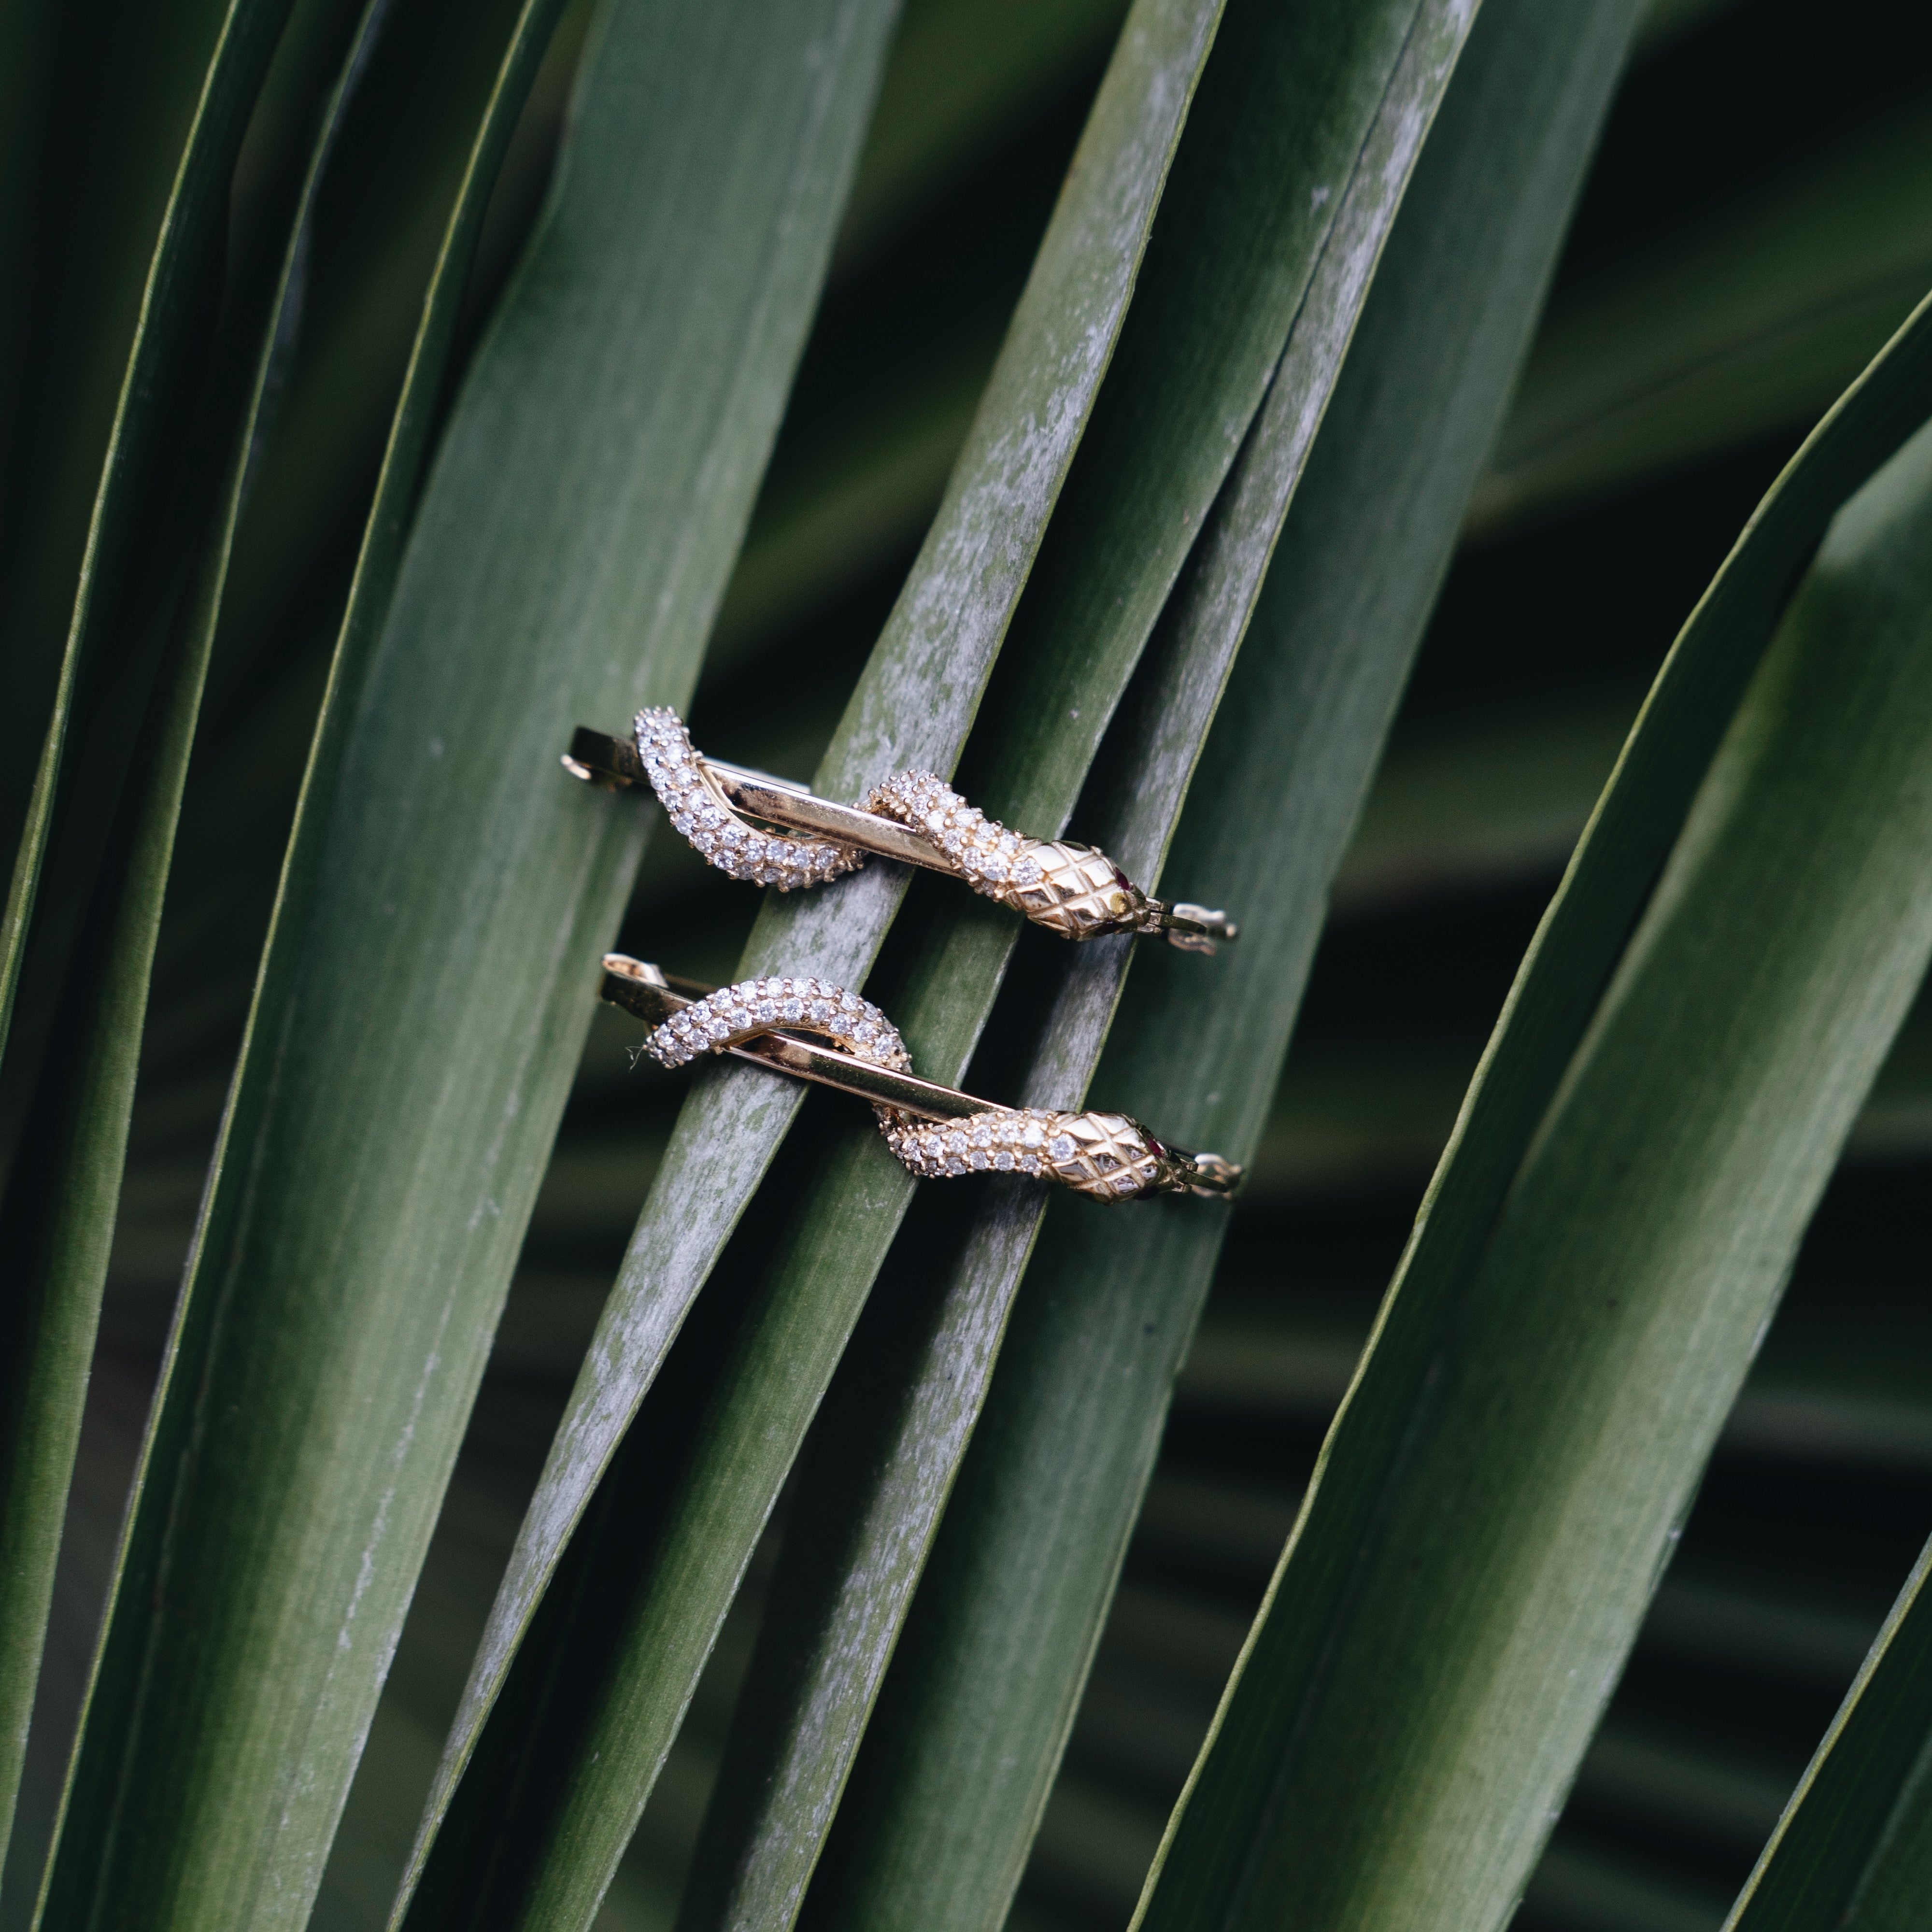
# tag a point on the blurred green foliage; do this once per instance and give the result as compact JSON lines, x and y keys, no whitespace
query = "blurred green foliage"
{"x":1754,"y":226}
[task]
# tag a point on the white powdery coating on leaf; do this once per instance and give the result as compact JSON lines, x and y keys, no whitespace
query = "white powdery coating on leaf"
{"x":914,"y":706}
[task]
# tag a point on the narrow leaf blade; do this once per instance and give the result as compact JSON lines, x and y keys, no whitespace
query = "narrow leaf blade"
{"x":1206,"y":1877}
{"x":870,"y":1499}
{"x":1854,"y":1846}
{"x":957,"y":1764}
{"x":914,"y":706}
{"x":417,"y":1052}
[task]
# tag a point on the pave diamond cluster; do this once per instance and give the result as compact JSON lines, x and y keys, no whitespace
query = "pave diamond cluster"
{"x":1105,"y":1155}
{"x":989,"y":858}
{"x":701,"y":812}
{"x":735,"y":1014}
{"x":1074,"y":890}
{"x":1003,"y":1140}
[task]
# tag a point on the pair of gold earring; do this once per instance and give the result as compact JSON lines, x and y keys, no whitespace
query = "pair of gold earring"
{"x":772,"y":832}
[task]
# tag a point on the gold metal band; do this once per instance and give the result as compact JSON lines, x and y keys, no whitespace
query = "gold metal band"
{"x":728,"y":813}
{"x":816,"y":1032}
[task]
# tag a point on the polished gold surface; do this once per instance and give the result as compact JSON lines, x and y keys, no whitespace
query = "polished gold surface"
{"x":936,"y":1131}
{"x":773,"y":832}
{"x":760,"y":795}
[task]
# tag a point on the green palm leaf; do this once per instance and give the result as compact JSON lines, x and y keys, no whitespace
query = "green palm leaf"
{"x":1512,"y":1130}
{"x":938,"y":650}
{"x":870,"y":1497}
{"x":890,"y":1565}
{"x":1088,"y":549}
{"x":59,"y":1204}
{"x":390,"y":1315}
{"x":975,"y":1713}
{"x":1853,"y":1847}
{"x":158,"y":395}
{"x":1707,"y":339}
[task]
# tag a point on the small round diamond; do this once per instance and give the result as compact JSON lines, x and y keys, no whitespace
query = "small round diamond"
{"x":696,"y":810}
{"x":1060,"y":1147}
